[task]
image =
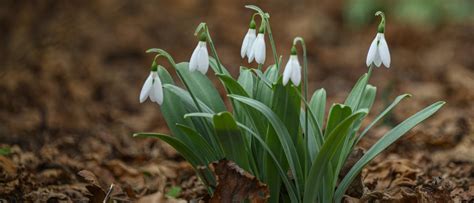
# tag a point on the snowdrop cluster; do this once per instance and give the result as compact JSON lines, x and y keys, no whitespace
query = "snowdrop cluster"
{"x":254,"y":48}
{"x":271,"y":129}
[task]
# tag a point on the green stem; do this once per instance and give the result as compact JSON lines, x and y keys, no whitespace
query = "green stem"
{"x":305,"y":83}
{"x":272,"y":43}
{"x":213,"y":49}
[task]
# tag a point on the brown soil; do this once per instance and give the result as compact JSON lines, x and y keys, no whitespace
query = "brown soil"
{"x":71,"y":72}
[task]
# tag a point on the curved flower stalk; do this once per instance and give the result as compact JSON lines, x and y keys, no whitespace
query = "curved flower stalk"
{"x":292,"y":69}
{"x":200,"y":57}
{"x":248,"y":40}
{"x":152,"y":87}
{"x":378,"y":51}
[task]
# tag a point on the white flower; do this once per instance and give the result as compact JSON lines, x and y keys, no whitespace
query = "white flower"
{"x":292,"y":71}
{"x":152,"y":88}
{"x":258,"y":50}
{"x":378,"y":52}
{"x":200,"y":58}
{"x":248,"y":42}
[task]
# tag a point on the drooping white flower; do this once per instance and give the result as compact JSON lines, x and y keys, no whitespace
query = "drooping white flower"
{"x":258,"y":51}
{"x":378,"y":52}
{"x":248,"y":42}
{"x":152,"y":88}
{"x":200,"y":58}
{"x":292,"y":71}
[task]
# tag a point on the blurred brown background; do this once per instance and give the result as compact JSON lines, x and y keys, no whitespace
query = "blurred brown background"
{"x":71,"y":72}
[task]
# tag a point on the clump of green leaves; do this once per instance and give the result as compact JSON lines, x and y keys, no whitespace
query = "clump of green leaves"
{"x":273,"y":131}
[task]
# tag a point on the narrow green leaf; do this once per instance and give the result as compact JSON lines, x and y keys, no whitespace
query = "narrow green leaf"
{"x":320,"y":167}
{"x":368,"y":97}
{"x":336,"y":115}
{"x":390,"y":137}
{"x":318,"y":104}
{"x":199,"y":144}
{"x":231,"y":140}
{"x":283,"y":136}
{"x":186,"y":152}
{"x":215,"y":68}
{"x":354,"y":97}
{"x":182,"y":148}
{"x":201,"y":87}
{"x":246,"y":80}
{"x":381,"y":115}
{"x":289,"y":186}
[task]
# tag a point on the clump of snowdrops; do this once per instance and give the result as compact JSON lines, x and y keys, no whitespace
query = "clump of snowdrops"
{"x":274,"y":131}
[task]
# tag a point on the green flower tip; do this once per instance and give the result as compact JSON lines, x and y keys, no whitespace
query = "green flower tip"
{"x":252,"y":24}
{"x":262,"y":28}
{"x":293,"y":50}
{"x":381,"y":28}
{"x":202,"y":37}
{"x":154,"y":66}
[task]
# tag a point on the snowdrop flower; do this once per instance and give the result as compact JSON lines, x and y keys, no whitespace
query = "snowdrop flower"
{"x":248,"y":40}
{"x":200,"y":57}
{"x":152,"y":87}
{"x":258,"y":48}
{"x":378,"y":51}
{"x":292,"y":69}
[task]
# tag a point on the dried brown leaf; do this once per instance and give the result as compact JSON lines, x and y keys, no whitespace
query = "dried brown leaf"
{"x":236,"y":185}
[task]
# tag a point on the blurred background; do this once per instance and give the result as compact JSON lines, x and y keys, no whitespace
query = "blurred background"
{"x":71,"y":72}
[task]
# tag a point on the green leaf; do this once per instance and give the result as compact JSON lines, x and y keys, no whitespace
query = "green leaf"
{"x":336,"y":115}
{"x":173,"y":108}
{"x":4,"y":151}
{"x":318,"y":104}
{"x":201,"y":87}
{"x":174,"y":192}
{"x":354,"y":97}
{"x":283,"y":136}
{"x":390,"y":137}
{"x":333,"y":143}
{"x":186,"y":152}
{"x":182,"y":148}
{"x":368,"y":98}
{"x":381,"y":115}
{"x":231,"y":140}
{"x":246,"y":80}
{"x":199,"y":144}
{"x":215,"y":68}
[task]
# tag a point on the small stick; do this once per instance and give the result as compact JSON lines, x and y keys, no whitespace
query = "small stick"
{"x":107,"y":196}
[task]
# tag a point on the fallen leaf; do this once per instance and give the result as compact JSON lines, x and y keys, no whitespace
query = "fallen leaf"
{"x":236,"y":185}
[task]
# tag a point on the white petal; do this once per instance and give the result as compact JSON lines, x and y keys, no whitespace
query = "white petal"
{"x":372,"y":52}
{"x":252,"y":38}
{"x":246,"y":43}
{"x":260,"y":51}
{"x":287,"y":72}
{"x":377,"y":59}
{"x":157,"y":90}
{"x":203,"y":59}
{"x":296,"y":71}
{"x":251,"y":52}
{"x":146,"y":88}
{"x":193,"y":64}
{"x":384,"y":52}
